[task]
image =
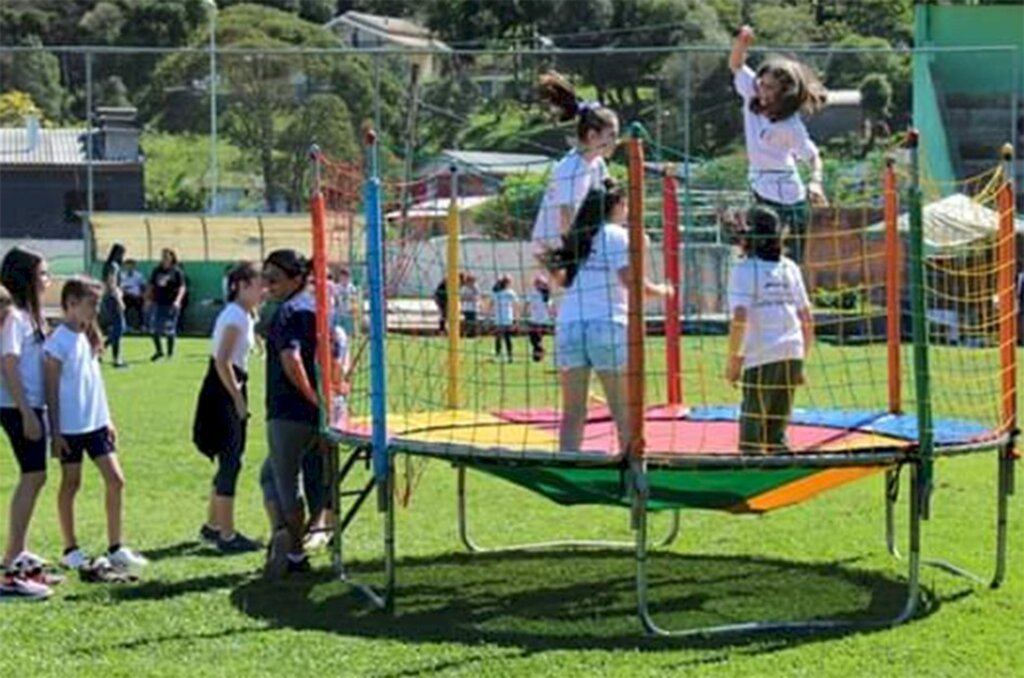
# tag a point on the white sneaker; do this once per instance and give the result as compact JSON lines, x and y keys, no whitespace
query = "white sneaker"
{"x":75,"y":560}
{"x":29,"y":561}
{"x":17,"y":587}
{"x":126,"y":559}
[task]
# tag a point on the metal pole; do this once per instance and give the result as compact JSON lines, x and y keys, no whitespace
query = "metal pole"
{"x":213,"y":106}
{"x":90,"y":139}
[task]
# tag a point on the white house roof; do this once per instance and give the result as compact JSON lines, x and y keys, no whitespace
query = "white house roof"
{"x":489,"y":162}
{"x":437,"y":208}
{"x":53,"y":148}
{"x":400,"y":32}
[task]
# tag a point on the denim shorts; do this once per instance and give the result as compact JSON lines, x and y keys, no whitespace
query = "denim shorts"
{"x":598,"y":344}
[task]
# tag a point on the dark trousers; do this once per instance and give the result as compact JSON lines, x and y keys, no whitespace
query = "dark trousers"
{"x":794,"y":219}
{"x":503,"y":335}
{"x":768,"y":392}
{"x":537,"y":342}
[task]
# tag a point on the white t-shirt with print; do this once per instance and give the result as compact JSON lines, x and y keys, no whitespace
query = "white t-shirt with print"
{"x":234,"y":315}
{"x":597,"y":293}
{"x":469,"y":298}
{"x":19,"y":338}
{"x":82,"y":397}
{"x":572,"y":177}
{"x":773,"y":293}
{"x":505,"y":302}
{"x":773,"y":147}
{"x":538,"y":308}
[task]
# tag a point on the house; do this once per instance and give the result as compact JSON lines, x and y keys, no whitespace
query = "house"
{"x":44,"y":175}
{"x":371,"y":31}
{"x":843,"y":114}
{"x":480,"y":172}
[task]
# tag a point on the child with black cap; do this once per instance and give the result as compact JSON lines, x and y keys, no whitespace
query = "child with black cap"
{"x":770,"y":334}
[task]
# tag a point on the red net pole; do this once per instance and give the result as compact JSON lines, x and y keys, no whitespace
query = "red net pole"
{"x":1007,"y":303}
{"x":673,"y":327}
{"x":318,"y":213}
{"x":892,"y":283}
{"x":635,"y":377}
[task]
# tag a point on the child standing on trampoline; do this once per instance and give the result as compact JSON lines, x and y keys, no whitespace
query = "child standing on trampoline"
{"x":773,"y":98}
{"x":582,"y":169}
{"x":770,"y":334}
{"x":590,"y":332}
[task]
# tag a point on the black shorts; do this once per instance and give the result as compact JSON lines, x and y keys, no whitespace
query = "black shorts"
{"x":31,"y":454}
{"x":94,"y":443}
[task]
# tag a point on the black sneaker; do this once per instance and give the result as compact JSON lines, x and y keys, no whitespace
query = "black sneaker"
{"x":156,"y":356}
{"x":209,"y":535}
{"x":299,"y":567}
{"x":237,"y":544}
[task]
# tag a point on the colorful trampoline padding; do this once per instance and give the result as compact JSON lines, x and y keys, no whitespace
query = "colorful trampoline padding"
{"x":522,"y":447}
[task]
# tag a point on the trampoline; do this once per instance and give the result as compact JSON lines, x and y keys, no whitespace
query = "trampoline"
{"x":878,"y":408}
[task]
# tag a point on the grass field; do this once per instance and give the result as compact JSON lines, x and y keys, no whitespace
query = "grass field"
{"x":196,"y":614}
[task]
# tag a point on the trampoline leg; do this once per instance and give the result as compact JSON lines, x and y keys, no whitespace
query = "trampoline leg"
{"x":892,"y":492}
{"x":388,"y":502}
{"x":1002,"y":513}
{"x":333,"y":465}
{"x":471,"y":546}
{"x":907,"y":612}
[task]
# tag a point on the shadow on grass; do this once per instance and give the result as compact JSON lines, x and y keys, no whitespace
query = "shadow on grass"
{"x":161,"y":590}
{"x":537,"y":602}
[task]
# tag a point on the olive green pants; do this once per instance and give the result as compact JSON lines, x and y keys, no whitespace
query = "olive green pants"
{"x":768,"y":392}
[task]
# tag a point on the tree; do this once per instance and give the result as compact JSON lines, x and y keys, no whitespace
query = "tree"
{"x":317,"y":11}
{"x":783,"y":24}
{"x":861,"y":56}
{"x":102,"y":24}
{"x":37,"y":73}
{"x":16,"y":107}
{"x":876,"y":99}
{"x":323,"y":119}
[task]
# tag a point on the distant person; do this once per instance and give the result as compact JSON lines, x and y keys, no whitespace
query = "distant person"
{"x":441,"y":302}
{"x":538,"y":314}
{"x":133,"y":291}
{"x":167,"y":294}
{"x":469,"y":298}
{"x":22,"y":401}
{"x":113,"y":304}
{"x":81,"y":424}
{"x":770,"y":333}
{"x":773,"y":98}
{"x":222,"y":411}
{"x":504,"y":302}
{"x":345,"y":297}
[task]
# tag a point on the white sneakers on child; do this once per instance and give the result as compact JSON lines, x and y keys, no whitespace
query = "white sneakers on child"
{"x":75,"y":560}
{"x":126,"y":559}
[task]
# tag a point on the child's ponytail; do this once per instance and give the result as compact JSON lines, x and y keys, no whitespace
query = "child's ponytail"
{"x":561,"y":97}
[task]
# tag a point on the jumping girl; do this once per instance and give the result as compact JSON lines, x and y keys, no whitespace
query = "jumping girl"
{"x":773,"y":98}
{"x":222,"y":411}
{"x":582,"y":169}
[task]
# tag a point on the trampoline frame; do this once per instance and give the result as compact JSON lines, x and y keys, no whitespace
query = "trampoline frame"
{"x":920,"y":457}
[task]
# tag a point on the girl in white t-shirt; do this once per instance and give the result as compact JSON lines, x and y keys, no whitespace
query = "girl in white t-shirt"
{"x":504,"y":301}
{"x":22,"y":413}
{"x":773,"y":98}
{"x":222,"y":410}
{"x":770,"y":334}
{"x":80,"y":421}
{"x":583,"y":168}
{"x":590,"y":331}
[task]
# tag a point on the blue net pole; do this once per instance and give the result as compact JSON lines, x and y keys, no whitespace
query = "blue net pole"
{"x":375,"y":280}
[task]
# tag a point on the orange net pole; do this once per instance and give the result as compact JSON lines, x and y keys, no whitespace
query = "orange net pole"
{"x":892,"y":283}
{"x":635,"y":375}
{"x":1007,"y":255}
{"x":323,"y":303}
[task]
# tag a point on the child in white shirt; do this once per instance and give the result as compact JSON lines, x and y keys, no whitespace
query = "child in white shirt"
{"x":80,"y":420}
{"x":504,"y":302}
{"x":538,"y":313}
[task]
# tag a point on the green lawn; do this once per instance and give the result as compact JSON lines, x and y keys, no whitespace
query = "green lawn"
{"x":542,"y":614}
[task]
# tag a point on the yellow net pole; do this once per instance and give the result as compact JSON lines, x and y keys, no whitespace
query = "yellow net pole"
{"x":452,"y":283}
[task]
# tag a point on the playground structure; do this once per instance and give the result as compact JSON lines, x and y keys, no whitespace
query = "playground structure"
{"x":879,"y":406}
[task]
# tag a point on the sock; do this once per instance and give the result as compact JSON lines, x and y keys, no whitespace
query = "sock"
{"x":113,"y":548}
{"x":70,"y":549}
{"x":170,"y":346}
{"x":156,"y":344}
{"x":230,"y":537}
{"x":296,"y":557}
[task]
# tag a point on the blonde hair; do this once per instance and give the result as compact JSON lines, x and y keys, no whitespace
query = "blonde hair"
{"x":800,"y":89}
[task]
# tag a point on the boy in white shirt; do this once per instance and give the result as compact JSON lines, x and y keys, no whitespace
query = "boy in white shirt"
{"x":80,"y":420}
{"x":771,"y":332}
